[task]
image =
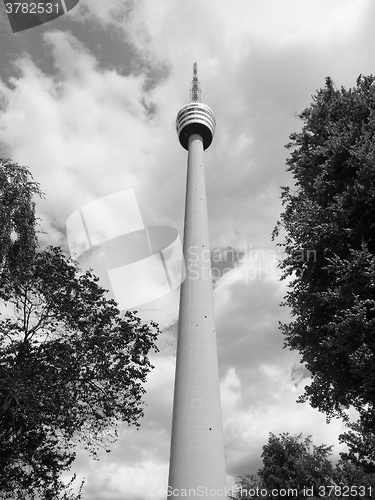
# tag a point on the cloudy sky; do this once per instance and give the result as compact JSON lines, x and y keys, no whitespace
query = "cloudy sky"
{"x":88,"y":102}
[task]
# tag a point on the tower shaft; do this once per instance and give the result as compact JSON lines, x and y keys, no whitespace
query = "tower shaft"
{"x":197,"y":463}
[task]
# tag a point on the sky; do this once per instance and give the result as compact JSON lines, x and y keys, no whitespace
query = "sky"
{"x":88,"y":101}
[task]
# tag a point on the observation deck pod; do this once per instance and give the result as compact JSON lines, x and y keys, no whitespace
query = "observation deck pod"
{"x":195,"y":118}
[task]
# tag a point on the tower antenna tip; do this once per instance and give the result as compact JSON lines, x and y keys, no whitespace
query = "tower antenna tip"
{"x":195,"y":88}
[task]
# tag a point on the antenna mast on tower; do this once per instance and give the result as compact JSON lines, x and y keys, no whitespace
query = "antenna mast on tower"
{"x":195,"y":88}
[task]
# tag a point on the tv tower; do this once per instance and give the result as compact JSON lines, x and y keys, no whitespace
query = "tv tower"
{"x":197,"y":460}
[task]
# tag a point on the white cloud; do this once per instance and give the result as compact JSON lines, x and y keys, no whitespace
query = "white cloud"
{"x":72,"y":128}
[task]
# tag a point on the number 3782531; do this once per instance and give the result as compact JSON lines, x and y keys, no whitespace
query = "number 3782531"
{"x":31,"y":8}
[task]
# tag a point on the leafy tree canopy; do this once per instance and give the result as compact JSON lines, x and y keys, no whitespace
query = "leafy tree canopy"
{"x":294,"y":467}
{"x":71,"y":366}
{"x":361,"y":445}
{"x":330,"y":215}
{"x":17,"y":216}
{"x":291,"y":462}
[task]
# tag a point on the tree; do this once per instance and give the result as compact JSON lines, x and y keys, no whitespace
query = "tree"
{"x":290,"y":462}
{"x":361,"y":444}
{"x":352,"y":480}
{"x":18,"y":239}
{"x":292,"y":466}
{"x":71,"y":368}
{"x":330,"y":215}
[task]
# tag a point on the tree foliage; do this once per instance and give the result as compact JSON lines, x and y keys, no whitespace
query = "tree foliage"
{"x":71,"y":367}
{"x":331,"y":212}
{"x":291,"y":462}
{"x":17,"y":217}
{"x":349,"y":476}
{"x":294,"y":467}
{"x":361,"y":447}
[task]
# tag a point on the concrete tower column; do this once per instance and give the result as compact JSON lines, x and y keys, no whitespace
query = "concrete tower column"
{"x":197,"y":462}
